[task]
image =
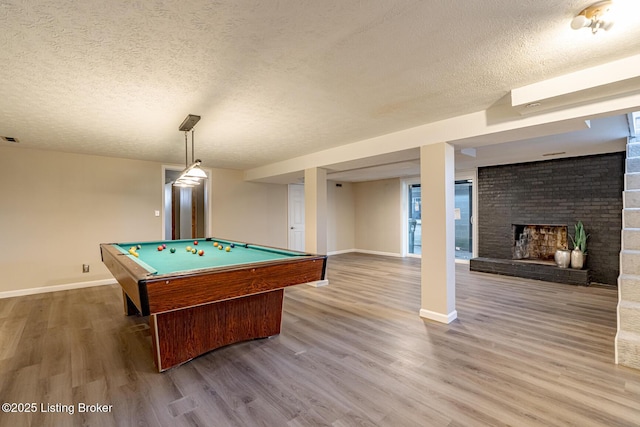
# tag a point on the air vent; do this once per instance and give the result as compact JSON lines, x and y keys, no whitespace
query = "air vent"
{"x":10,"y":139}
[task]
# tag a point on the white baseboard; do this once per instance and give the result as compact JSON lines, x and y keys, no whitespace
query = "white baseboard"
{"x":344,"y":251}
{"x":439,"y":317}
{"x":55,"y":288}
{"x":393,"y":254}
{"x":364,"y":251}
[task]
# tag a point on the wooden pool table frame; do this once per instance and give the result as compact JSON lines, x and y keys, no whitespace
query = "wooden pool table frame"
{"x":193,"y":312}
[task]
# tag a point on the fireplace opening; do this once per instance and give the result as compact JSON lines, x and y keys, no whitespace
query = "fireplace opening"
{"x":538,"y":242}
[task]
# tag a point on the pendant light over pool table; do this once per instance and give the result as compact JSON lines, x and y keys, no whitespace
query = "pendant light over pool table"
{"x":192,"y":173}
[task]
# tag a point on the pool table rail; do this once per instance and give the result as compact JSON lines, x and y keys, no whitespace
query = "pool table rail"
{"x":166,"y":293}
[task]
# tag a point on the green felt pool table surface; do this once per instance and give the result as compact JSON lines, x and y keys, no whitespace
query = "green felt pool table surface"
{"x":166,"y":262}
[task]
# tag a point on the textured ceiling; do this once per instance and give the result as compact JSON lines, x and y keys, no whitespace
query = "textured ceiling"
{"x":272,"y":79}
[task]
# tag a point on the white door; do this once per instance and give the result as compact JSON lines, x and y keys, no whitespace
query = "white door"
{"x":296,"y":217}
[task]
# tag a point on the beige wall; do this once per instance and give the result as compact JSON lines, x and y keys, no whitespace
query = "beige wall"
{"x":340,"y":217}
{"x":248,"y":211}
{"x":53,"y":218}
{"x":377,"y":209}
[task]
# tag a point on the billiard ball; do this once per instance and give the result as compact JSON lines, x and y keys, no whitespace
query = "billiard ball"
{"x":233,"y":245}
{"x":164,"y":246}
{"x":228,"y":249}
{"x":172,"y":250}
{"x":139,"y":246}
{"x":194,"y":251}
{"x":135,"y":254}
{"x":160,"y":248}
{"x":188,"y":248}
{"x":195,"y":242}
{"x":200,"y":252}
{"x":220,"y":247}
{"x":215,"y":244}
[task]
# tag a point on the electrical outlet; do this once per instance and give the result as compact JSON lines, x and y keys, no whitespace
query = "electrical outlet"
{"x":85,"y":268}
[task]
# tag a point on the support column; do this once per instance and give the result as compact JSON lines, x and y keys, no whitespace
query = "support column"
{"x":437,"y":177}
{"x":315,"y":214}
{"x":315,"y":210}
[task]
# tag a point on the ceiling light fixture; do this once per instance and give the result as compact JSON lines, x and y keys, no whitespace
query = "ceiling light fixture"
{"x":595,"y":17}
{"x":192,"y":174}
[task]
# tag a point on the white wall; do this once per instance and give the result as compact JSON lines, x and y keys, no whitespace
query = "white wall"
{"x":53,"y":218}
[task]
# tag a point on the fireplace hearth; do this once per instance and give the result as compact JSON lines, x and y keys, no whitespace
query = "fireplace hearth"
{"x":533,"y":249}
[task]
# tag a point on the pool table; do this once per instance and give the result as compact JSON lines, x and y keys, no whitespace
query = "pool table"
{"x":197,"y":303}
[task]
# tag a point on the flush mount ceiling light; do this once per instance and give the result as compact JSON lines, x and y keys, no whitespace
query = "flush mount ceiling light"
{"x":594,"y":17}
{"x":192,"y":174}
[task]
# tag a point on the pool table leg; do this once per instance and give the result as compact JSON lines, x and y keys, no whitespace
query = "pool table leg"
{"x":180,"y":335}
{"x":129,"y":307}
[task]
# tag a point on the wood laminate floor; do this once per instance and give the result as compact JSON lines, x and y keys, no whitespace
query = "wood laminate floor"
{"x":354,"y":353}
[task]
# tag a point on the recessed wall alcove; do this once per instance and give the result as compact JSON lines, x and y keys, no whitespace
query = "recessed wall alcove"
{"x":553,"y":192}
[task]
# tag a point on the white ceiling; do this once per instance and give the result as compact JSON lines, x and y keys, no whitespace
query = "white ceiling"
{"x":278,"y":79}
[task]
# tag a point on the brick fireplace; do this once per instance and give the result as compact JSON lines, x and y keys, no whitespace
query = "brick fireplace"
{"x":551,"y":192}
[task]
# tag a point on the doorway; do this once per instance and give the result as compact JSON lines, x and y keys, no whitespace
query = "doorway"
{"x":464,"y":211}
{"x":464,"y":219}
{"x":414,"y":227}
{"x":184,"y":208}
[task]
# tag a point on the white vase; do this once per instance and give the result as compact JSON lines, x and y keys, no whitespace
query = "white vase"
{"x":562,"y":258}
{"x":577,"y":259}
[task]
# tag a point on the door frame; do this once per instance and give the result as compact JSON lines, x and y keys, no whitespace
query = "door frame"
{"x":207,"y":200}
{"x":289,"y":204}
{"x":404,"y":214}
